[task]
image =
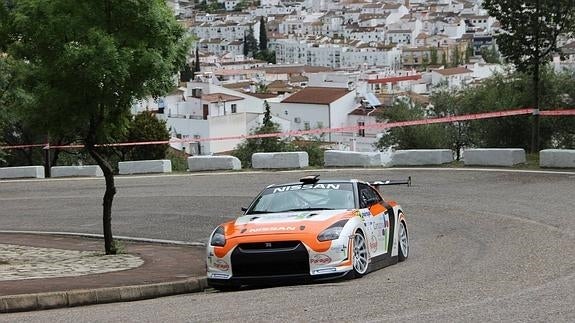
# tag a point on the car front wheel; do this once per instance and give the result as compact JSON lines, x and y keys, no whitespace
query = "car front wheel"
{"x":360,"y":256}
{"x":403,"y":242}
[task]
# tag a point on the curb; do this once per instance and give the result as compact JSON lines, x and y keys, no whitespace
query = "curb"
{"x":80,"y":297}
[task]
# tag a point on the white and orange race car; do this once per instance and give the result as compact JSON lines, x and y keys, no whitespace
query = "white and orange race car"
{"x":306,"y":231}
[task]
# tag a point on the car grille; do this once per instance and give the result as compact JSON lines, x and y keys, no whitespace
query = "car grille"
{"x":270,"y":259}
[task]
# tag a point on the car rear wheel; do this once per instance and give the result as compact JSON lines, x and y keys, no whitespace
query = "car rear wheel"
{"x":360,"y":256}
{"x":403,"y":242}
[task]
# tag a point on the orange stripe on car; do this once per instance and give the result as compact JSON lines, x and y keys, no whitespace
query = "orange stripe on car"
{"x":235,"y":233}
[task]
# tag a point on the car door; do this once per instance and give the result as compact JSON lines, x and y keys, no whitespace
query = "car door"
{"x":377,"y":220}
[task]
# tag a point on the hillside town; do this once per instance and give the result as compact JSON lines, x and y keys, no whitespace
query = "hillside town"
{"x":321,"y":64}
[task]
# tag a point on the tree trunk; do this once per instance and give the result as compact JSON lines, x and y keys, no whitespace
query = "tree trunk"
{"x":535,"y":117}
{"x":108,"y":199}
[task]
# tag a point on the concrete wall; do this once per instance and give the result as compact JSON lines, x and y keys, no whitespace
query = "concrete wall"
{"x":201,"y":163}
{"x":339,"y":158}
{"x":145,"y":166}
{"x":75,"y":171}
{"x":416,"y":157}
{"x":22,"y":172}
{"x":494,"y":156}
{"x":297,"y":159}
{"x":559,"y":158}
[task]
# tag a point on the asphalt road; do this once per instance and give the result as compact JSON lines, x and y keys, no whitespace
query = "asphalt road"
{"x":485,"y":246}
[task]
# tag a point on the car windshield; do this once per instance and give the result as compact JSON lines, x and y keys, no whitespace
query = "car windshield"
{"x":304,"y":197}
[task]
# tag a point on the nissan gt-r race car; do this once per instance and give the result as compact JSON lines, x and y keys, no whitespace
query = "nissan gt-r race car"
{"x":309,"y":231}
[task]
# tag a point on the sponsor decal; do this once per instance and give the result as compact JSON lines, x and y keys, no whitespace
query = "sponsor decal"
{"x":366,"y":213}
{"x":268,"y":229}
{"x":373,"y":244}
{"x":320,"y":260}
{"x":221,"y":265}
{"x":359,"y":214}
{"x":306,"y":187}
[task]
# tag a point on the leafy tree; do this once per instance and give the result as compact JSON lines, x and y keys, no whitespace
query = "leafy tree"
{"x":87,"y":62}
{"x":146,"y":127}
{"x":532,"y":28}
{"x":444,"y":58}
{"x":468,"y":53}
{"x":250,"y":43}
{"x":248,"y":147}
{"x":266,"y":55}
{"x":448,"y":103}
{"x":186,"y":73}
{"x":197,"y":67}
{"x":455,"y":57}
{"x":267,"y":122}
{"x":433,"y":56}
{"x":490,"y":55}
{"x":414,"y":137}
{"x":263,"y":35}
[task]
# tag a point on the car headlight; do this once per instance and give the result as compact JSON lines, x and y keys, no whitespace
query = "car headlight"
{"x":218,"y":237}
{"x":333,"y":231}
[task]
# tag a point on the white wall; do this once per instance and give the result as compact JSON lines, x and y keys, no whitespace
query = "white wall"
{"x":310,"y":113}
{"x":340,"y":109}
{"x":236,"y":125}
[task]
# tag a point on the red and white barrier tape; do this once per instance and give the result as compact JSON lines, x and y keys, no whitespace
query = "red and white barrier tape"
{"x":467,"y":117}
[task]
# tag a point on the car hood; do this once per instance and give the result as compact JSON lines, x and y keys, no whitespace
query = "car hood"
{"x":286,"y":222}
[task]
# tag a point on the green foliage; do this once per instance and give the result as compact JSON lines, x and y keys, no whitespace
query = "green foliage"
{"x":94,"y":61}
{"x":186,"y":73}
{"x":146,"y":127}
{"x":455,"y":57}
{"x":468,"y":53}
{"x":179,"y":160}
{"x":433,"y":56}
{"x":418,"y":137}
{"x":266,"y":55}
{"x":532,"y":28}
{"x":197,"y":67}
{"x":314,"y":150}
{"x":499,"y":93}
{"x":248,"y":147}
{"x":491,"y":55}
{"x":211,"y":6}
{"x":263,"y":35}
{"x":250,"y":43}
{"x":444,"y":59}
{"x":86,"y":63}
{"x":267,"y":115}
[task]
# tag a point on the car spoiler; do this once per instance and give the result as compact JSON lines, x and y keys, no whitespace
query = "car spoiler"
{"x":392,"y":182}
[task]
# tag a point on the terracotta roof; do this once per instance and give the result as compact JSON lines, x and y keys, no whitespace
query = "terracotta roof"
{"x":296,"y":69}
{"x":298,"y":78}
{"x":395,"y":79}
{"x":453,"y":71}
{"x":263,"y":96}
{"x":317,"y":95}
{"x":360,"y":111}
{"x":217,"y":97}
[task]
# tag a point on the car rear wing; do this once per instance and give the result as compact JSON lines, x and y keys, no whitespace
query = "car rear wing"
{"x":384,"y":182}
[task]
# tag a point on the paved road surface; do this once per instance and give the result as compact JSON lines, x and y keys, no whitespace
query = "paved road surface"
{"x":484,"y":246}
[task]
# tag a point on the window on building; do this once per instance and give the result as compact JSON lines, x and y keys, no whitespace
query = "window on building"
{"x":361,"y":132}
{"x":234,"y":108}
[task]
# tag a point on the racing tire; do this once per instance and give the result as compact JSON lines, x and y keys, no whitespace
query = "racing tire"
{"x":360,"y":257}
{"x":403,"y":241}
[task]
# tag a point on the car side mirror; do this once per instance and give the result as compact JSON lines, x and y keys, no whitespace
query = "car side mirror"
{"x":244,"y":208}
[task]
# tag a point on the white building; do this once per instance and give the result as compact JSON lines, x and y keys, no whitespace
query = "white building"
{"x":452,"y":77}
